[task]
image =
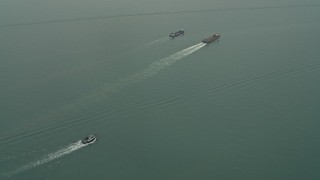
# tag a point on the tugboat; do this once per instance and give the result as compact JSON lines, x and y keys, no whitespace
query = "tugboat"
{"x":90,"y":139}
{"x":175,"y":34}
{"x":211,"y":39}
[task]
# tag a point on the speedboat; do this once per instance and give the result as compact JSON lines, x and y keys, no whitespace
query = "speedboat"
{"x":211,"y":39}
{"x":90,"y":139}
{"x":175,"y":34}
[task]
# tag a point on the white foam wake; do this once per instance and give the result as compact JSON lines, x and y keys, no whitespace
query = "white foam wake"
{"x":49,"y":157}
{"x":100,"y":94}
{"x":150,"y":71}
{"x":155,"y":67}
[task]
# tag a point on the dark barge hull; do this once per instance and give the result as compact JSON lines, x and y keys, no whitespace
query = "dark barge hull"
{"x":175,"y":34}
{"x":211,"y":39}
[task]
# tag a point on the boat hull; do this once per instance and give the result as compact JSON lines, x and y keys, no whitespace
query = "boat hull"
{"x":175,"y":34}
{"x":211,"y":38}
{"x":89,"y":139}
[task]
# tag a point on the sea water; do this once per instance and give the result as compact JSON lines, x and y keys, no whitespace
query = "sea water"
{"x":243,"y":107}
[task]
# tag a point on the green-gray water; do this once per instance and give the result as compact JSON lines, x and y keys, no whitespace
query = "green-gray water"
{"x":245,"y":107}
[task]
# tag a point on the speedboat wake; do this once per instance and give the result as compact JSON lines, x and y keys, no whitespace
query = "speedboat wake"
{"x":49,"y":157}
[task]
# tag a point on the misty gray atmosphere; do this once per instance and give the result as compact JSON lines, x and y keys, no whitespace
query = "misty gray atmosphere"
{"x":244,"y":107}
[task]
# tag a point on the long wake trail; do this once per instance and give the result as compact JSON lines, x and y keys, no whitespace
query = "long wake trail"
{"x":49,"y":157}
{"x":157,"y":66}
{"x":97,"y":96}
{"x":150,"y":71}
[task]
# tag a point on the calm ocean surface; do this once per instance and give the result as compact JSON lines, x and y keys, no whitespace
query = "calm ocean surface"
{"x":245,"y":107}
